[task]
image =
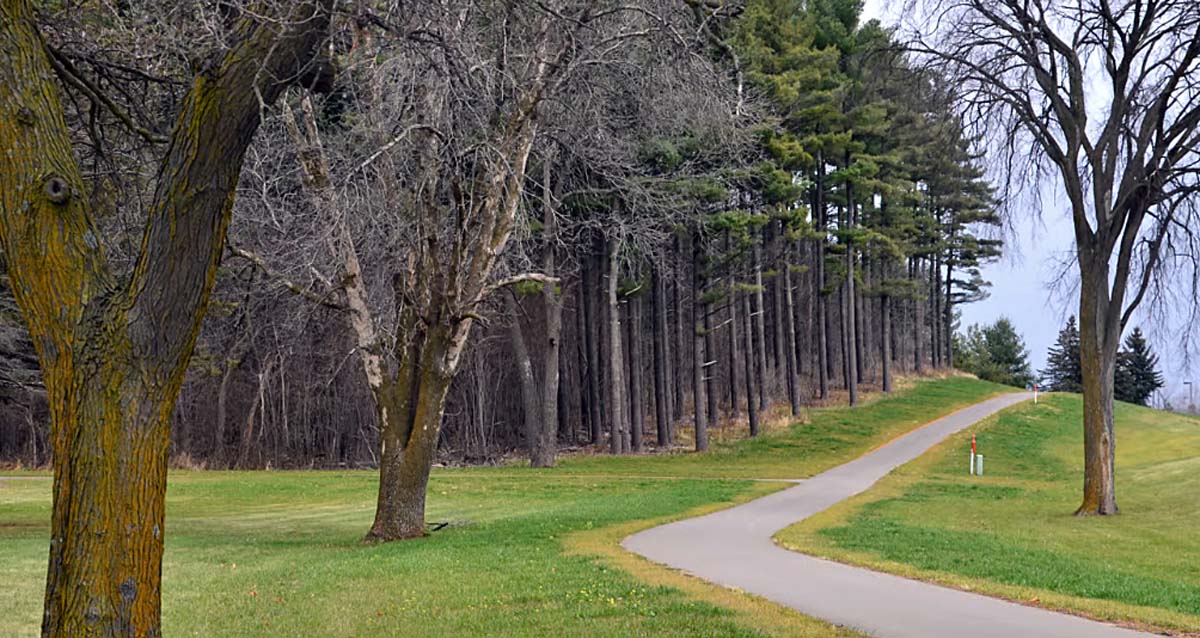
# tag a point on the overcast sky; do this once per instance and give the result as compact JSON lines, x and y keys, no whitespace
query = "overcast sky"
{"x":1021,"y":283}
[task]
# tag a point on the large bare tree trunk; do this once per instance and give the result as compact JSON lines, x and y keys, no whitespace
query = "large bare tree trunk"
{"x":1099,"y":338}
{"x":410,"y":417}
{"x":114,"y":351}
{"x":591,"y":336}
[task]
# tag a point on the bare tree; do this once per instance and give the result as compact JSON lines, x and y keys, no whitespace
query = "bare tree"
{"x":1107,"y":94}
{"x":114,"y":350}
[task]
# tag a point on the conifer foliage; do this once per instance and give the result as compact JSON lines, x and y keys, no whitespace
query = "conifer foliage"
{"x":1062,"y":373}
{"x":1137,"y":375}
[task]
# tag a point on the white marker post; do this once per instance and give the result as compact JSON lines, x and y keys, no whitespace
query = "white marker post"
{"x":1035,"y":393}
{"x":972,"y":455}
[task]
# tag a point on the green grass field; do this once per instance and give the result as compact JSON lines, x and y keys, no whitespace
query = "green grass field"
{"x":527,"y":554}
{"x":1012,"y":533}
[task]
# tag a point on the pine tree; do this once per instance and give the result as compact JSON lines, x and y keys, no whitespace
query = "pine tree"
{"x":995,"y":353}
{"x":1062,"y":373}
{"x":1137,"y":375}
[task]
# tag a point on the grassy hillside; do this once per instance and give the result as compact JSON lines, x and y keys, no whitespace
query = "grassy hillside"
{"x":1012,"y":532}
{"x":527,"y":553}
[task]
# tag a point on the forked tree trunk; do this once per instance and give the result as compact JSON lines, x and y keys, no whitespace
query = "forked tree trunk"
{"x":1099,"y":338}
{"x":113,"y":351}
{"x":410,"y":417}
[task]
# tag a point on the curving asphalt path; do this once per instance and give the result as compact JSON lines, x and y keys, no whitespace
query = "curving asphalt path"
{"x":733,"y":547}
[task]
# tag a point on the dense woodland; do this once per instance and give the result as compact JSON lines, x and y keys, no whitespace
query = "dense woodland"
{"x":726,"y":209}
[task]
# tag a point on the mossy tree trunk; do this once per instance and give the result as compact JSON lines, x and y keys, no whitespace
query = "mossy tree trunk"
{"x":113,"y":351}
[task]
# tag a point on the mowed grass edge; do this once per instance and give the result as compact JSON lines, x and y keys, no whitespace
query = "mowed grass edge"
{"x":528,"y":552}
{"x":1012,"y":534}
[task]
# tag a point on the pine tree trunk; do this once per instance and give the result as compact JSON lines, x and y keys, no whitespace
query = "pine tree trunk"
{"x":680,"y":336}
{"x":662,"y":394}
{"x":751,"y":401}
{"x":710,"y":352}
{"x":637,"y":423}
{"x":759,"y":324}
{"x":885,"y":327}
{"x":731,"y":303}
{"x":825,"y":345}
{"x":591,"y":335}
{"x":918,"y":323}
{"x":698,"y":349}
{"x":949,"y":318}
{"x":853,"y":368}
{"x":935,"y":314}
{"x":789,"y":328}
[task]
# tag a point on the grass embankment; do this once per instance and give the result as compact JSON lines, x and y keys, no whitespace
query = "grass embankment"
{"x":1011,"y":532}
{"x":528,"y":553}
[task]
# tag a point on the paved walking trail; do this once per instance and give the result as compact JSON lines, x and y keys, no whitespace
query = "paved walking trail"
{"x":733,"y":548}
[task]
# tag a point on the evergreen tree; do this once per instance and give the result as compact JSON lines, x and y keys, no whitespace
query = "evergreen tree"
{"x":1062,"y":373}
{"x":1137,"y":375}
{"x":995,"y":353}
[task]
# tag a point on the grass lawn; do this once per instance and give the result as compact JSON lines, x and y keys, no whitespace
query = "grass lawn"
{"x":1012,"y":533}
{"x":528,"y":553}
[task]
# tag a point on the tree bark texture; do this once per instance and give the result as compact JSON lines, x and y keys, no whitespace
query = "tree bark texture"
{"x":1099,"y":339}
{"x":616,"y":365}
{"x":113,"y":353}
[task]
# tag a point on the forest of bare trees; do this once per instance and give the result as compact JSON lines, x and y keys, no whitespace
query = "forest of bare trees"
{"x":679,"y":226}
